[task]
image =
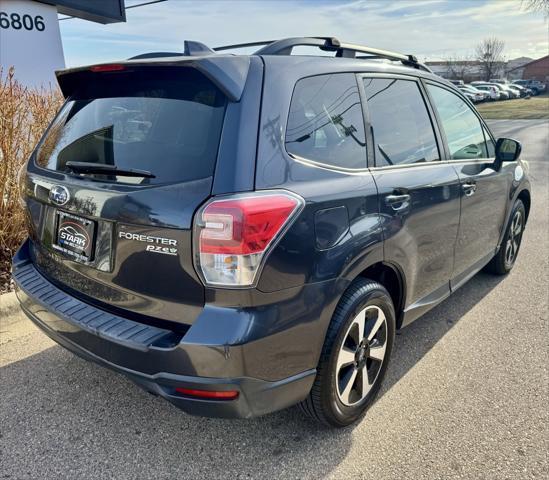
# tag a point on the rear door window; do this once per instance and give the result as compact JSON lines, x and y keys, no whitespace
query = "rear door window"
{"x":402,"y":129}
{"x":166,"y":121}
{"x":325,"y":123}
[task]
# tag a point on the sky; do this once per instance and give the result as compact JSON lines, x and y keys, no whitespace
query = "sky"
{"x":430,"y":29}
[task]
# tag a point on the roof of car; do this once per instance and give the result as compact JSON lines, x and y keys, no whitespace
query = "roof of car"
{"x":229,"y":71}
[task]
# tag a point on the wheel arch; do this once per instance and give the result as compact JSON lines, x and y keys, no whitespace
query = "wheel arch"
{"x":392,"y":278}
{"x":524,"y":196}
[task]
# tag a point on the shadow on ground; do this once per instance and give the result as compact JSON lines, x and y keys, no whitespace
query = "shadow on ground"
{"x":66,"y":413}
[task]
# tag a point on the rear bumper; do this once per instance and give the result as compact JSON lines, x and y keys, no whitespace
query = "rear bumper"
{"x":157,"y":359}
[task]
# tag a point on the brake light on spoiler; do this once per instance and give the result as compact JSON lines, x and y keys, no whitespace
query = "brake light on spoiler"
{"x":112,"y":67}
{"x":234,"y":235}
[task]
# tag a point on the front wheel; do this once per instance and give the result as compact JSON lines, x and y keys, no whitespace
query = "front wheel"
{"x":355,"y":355}
{"x":505,"y":259}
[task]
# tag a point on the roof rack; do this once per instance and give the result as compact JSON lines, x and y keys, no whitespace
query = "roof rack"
{"x":329,"y":44}
{"x":286,"y":45}
{"x":243,"y":45}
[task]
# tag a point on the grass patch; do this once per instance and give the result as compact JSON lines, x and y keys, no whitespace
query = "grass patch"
{"x":520,"y":108}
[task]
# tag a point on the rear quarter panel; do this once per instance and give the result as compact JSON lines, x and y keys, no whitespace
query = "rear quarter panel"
{"x":300,"y":257}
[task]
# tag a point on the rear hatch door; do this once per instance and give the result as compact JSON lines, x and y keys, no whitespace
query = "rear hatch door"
{"x":112,"y":188}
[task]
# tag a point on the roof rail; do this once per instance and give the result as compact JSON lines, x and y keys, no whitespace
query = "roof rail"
{"x":330,"y":44}
{"x":286,"y":45}
{"x":243,"y":45}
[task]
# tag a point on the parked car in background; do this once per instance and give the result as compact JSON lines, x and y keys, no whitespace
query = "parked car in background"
{"x":505,"y":85}
{"x":526,"y":84}
{"x":457,"y":82}
{"x":512,"y":93}
{"x":542,"y":87}
{"x":535,"y":86}
{"x":472,"y":93}
{"x":493,"y":92}
{"x":521,"y":91}
{"x":469,"y":96}
{"x":527,"y":91}
{"x":503,"y":93}
{"x":501,"y":81}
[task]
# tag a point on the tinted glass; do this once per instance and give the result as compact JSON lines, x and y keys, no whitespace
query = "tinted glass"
{"x":403,"y":132}
{"x":165,"y":121}
{"x":462,"y":127}
{"x":325,"y":123}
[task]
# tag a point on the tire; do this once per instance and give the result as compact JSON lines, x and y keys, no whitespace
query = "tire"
{"x":331,"y":401}
{"x":505,"y":259}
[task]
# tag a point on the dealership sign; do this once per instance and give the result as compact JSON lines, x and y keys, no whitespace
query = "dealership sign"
{"x":30,"y":42}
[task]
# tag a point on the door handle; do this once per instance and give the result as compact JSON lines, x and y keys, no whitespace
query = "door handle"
{"x":398,"y":202}
{"x":469,"y":188}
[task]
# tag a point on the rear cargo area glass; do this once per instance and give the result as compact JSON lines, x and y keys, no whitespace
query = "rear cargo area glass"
{"x":164,"y":120}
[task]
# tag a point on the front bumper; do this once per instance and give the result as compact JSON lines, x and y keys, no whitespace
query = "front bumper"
{"x":157,"y":359}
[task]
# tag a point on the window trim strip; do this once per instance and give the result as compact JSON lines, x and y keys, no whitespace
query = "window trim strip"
{"x":325,"y":166}
{"x":439,"y":163}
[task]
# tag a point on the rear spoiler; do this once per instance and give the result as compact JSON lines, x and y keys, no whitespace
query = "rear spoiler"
{"x":227,"y":72}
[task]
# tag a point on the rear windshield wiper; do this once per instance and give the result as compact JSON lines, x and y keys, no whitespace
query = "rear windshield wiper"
{"x":101,"y":168}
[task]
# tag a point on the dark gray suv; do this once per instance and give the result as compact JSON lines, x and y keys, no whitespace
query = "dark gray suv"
{"x":242,"y":233}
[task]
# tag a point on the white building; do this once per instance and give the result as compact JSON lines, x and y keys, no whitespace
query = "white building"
{"x":30,"y":40}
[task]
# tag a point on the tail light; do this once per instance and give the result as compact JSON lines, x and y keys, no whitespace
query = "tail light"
{"x":233,"y":235}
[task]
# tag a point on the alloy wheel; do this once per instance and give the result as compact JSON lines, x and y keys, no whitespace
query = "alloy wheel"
{"x":361,"y":355}
{"x":513,"y":239}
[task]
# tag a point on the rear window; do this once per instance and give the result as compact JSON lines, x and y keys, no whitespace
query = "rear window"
{"x":325,"y":123}
{"x":166,"y":121}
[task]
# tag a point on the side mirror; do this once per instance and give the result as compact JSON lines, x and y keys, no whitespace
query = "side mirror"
{"x":507,"y":150}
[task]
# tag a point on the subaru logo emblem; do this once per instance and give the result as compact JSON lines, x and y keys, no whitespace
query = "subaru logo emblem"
{"x":59,"y":195}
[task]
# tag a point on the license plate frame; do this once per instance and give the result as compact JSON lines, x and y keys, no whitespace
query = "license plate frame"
{"x":75,"y":236}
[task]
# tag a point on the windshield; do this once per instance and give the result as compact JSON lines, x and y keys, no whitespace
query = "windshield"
{"x":166,"y":121}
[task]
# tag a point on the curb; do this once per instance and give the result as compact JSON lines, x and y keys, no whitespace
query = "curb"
{"x":9,"y":307}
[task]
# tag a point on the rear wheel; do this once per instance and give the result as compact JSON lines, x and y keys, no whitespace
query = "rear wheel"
{"x":504,"y":260}
{"x":355,"y":355}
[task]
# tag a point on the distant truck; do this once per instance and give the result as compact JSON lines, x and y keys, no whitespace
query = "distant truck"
{"x":536,"y":86}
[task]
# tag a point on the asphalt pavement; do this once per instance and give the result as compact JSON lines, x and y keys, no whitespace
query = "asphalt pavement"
{"x":466,"y":395}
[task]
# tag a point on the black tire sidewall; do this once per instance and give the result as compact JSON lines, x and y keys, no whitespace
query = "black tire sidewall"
{"x":518,"y":206}
{"x":374,"y":295}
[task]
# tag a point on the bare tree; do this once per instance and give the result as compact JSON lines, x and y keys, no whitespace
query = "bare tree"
{"x":541,"y":6}
{"x":489,"y":54}
{"x":458,"y":68}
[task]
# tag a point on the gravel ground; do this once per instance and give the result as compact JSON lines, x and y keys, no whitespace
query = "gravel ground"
{"x":466,"y":395}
